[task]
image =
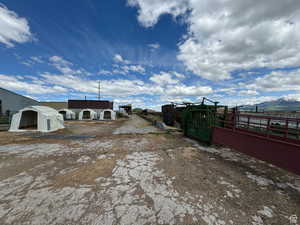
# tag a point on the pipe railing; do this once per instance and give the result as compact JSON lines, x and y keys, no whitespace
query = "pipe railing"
{"x":268,"y":125}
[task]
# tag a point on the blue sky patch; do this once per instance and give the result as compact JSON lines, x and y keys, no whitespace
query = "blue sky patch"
{"x":149,"y":53}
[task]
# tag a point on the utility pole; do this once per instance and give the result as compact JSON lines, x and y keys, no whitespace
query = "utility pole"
{"x":99,"y":90}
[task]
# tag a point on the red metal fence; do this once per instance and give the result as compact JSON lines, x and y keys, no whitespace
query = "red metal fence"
{"x":272,"y":139}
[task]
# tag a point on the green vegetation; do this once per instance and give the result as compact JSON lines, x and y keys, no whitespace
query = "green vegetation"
{"x":4,"y":120}
{"x":137,"y":110}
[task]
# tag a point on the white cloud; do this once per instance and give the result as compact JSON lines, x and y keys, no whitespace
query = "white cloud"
{"x":126,"y":69}
{"x":183,"y":90}
{"x":295,"y":96}
{"x":223,"y":36}
{"x":60,"y":61}
{"x":32,"y":60}
{"x":168,"y":99}
{"x":119,"y":59}
{"x":37,"y":59}
{"x":64,"y":66}
{"x":27,"y":63}
{"x":104,"y":72}
{"x":154,"y":46}
{"x":121,"y":101}
{"x":178,"y":75}
{"x":277,"y":81}
{"x":13,"y":29}
{"x":248,"y":93}
{"x":151,"y":10}
{"x":133,"y":68}
{"x":163,"y":78}
{"x":229,"y":90}
{"x":114,"y":87}
{"x":118,"y":71}
{"x":128,"y":88}
{"x":17,"y":84}
{"x":233,"y":101}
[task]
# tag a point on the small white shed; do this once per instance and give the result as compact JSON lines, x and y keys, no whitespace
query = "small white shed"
{"x":37,"y":118}
{"x":108,"y":114}
{"x":67,"y":114}
{"x":87,"y":114}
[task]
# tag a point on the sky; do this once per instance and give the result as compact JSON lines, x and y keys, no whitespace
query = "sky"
{"x":151,"y":52}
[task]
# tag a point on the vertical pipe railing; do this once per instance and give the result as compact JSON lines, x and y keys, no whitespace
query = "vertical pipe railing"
{"x":248,"y":122}
{"x":234,"y":119}
{"x":286,"y":128}
{"x":298,"y":130}
{"x":268,"y":128}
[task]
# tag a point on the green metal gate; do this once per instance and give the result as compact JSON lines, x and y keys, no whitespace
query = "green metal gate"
{"x":198,"y":124}
{"x":199,"y":120}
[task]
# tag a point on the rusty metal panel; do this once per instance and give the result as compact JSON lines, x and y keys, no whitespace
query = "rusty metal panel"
{"x":277,"y":151}
{"x":90,"y":104}
{"x":169,"y":115}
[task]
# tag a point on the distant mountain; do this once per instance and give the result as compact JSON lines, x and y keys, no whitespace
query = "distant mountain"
{"x":280,"y":104}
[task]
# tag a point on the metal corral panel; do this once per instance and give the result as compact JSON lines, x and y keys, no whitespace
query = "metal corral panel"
{"x":275,"y":151}
{"x":198,"y":121}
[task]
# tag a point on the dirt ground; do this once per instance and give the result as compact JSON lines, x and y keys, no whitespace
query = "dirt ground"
{"x":128,"y":172}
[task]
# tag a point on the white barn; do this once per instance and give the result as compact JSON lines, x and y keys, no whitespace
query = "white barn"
{"x":87,"y":114}
{"x":37,"y":118}
{"x":67,"y":114}
{"x":108,"y":114}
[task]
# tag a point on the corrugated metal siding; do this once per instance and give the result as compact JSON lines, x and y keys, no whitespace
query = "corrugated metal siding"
{"x":13,"y":102}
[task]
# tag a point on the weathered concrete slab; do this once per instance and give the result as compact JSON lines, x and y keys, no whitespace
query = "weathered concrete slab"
{"x":139,"y":177}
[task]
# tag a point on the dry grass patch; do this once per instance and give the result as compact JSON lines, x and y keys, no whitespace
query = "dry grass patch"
{"x":189,"y":153}
{"x":12,"y":138}
{"x":87,"y":173}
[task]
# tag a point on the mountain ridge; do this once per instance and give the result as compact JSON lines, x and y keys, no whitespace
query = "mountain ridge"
{"x":280,"y":104}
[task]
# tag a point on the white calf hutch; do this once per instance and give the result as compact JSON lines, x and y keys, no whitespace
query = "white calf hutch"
{"x":37,"y":118}
{"x":67,"y":114}
{"x":87,"y":114}
{"x":107,"y":114}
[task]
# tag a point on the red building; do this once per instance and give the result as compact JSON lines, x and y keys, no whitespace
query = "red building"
{"x":90,"y":104}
